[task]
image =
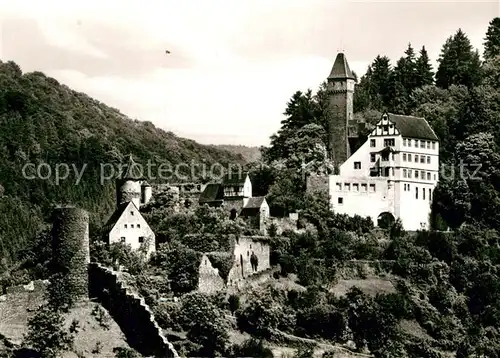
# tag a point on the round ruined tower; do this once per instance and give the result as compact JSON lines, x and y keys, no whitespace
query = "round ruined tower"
{"x":70,"y":243}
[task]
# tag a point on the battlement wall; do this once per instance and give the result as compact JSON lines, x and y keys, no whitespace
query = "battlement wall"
{"x":130,"y":312}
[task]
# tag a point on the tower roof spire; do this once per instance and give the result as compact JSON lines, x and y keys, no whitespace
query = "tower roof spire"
{"x":340,"y":69}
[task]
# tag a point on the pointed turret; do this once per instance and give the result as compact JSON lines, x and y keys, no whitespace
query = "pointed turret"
{"x":341,"y":85}
{"x":131,"y":170}
{"x":340,"y":69}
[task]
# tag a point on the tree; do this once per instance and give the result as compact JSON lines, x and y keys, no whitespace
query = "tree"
{"x":459,"y":64}
{"x":381,"y":79}
{"x":46,"y":334}
{"x":492,"y":40}
{"x":424,"y":72}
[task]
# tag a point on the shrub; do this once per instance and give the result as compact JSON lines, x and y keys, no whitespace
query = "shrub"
{"x":46,"y":334}
{"x":234,"y":303}
{"x":251,"y":348}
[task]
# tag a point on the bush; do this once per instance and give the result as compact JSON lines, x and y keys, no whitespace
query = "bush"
{"x":234,"y":303}
{"x":46,"y":334}
{"x":251,"y":348}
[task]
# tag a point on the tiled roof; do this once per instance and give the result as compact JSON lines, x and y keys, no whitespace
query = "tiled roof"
{"x":115,"y":217}
{"x":413,"y":127}
{"x":235,"y":179}
{"x":255,"y":203}
{"x":340,"y":69}
{"x":213,"y":192}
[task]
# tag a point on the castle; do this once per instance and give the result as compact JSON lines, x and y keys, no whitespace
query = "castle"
{"x":392,"y":175}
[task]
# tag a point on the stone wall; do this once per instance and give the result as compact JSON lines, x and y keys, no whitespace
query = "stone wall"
{"x":130,"y":312}
{"x":209,"y":281}
{"x":243,"y":249}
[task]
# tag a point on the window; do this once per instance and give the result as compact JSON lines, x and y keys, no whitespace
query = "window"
{"x":408,"y":187}
{"x":340,"y":200}
{"x":138,"y":226}
{"x":364,"y":188}
{"x":416,"y":158}
{"x":236,"y":189}
{"x":430,"y":194}
{"x":422,"y":159}
{"x":428,"y":160}
{"x":385,"y":157}
{"x":392,"y":171}
{"x":347,"y":186}
{"x":357,"y":165}
{"x":416,"y":174}
{"x":428,"y":176}
{"x":409,"y":157}
{"x":372,"y":143}
{"x":339,"y":186}
{"x":125,"y":226}
{"x":404,"y":187}
{"x":141,"y":239}
{"x":372,"y":158}
{"x":428,"y":144}
{"x":372,"y":188}
{"x":409,"y":142}
{"x":422,"y":144}
{"x":404,"y":142}
{"x":409,"y":173}
{"x":132,"y":226}
{"x":385,"y":128}
{"x":404,"y":157}
{"x":423,"y":193}
{"x":390,"y":142}
{"x":416,"y":192}
{"x":355,"y":187}
{"x":434,"y":176}
{"x":393,"y":156}
{"x":122,"y":240}
{"x":405,"y":174}
{"x":433,"y":145}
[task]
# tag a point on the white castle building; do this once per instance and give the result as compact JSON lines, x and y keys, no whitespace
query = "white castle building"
{"x":393,"y":174}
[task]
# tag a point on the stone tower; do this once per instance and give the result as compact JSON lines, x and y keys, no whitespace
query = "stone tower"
{"x":341,"y":87}
{"x":70,"y":244}
{"x":129,"y":184}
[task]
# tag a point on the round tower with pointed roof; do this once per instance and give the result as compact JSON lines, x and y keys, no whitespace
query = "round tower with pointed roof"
{"x":341,"y":87}
{"x":129,"y":183}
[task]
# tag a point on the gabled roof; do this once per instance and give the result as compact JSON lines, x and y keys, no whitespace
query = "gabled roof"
{"x":235,"y":178}
{"x":213,"y":192}
{"x":340,"y":69}
{"x":131,"y":170}
{"x":413,"y":127}
{"x":255,"y":203}
{"x":253,"y":206}
{"x":116,"y":216}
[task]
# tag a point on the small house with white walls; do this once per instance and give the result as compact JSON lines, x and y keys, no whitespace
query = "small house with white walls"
{"x":234,"y":194}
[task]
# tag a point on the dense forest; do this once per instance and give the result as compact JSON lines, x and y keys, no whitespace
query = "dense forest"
{"x":42,"y":121}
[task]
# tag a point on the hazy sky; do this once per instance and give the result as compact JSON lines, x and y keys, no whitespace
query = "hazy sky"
{"x":233,"y":64}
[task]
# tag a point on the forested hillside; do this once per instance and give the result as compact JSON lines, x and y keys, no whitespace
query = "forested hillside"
{"x":250,"y":154}
{"x":42,"y":121}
